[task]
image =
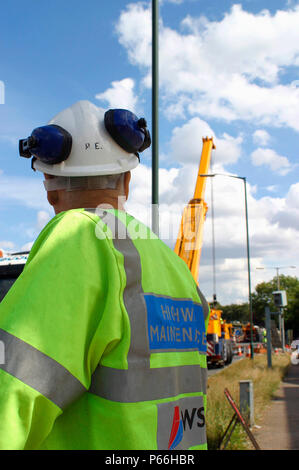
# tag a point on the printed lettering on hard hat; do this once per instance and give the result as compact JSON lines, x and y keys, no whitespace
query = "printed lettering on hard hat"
{"x":181,"y":424}
{"x":96,"y":146}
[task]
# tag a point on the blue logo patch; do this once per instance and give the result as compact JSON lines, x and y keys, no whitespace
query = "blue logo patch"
{"x":175,"y":324}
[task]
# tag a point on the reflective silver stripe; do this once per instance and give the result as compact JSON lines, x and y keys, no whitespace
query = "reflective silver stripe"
{"x":39,"y":371}
{"x":139,"y":353}
{"x":135,"y":385}
{"x":204,"y":303}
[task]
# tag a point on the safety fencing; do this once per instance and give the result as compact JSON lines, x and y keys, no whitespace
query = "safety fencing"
{"x":244,"y":349}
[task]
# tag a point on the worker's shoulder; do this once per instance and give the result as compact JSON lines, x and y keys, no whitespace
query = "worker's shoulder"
{"x":67,"y":232}
{"x":73,"y":218}
{"x":64,"y":228}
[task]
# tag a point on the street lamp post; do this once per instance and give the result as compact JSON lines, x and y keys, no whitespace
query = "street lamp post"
{"x":155,"y":116}
{"x":243,"y":178}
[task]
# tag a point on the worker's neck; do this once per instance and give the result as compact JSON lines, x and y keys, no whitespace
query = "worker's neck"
{"x":89,"y":201}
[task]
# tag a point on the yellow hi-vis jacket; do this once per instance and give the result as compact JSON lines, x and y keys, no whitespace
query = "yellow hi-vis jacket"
{"x":104,"y":339}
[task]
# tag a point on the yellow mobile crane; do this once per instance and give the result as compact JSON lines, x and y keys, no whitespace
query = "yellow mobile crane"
{"x":189,"y":242}
{"x":188,"y":247}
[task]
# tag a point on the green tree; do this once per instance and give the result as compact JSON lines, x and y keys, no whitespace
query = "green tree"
{"x":292,"y":313}
{"x":235,"y":312}
{"x":263,"y":297}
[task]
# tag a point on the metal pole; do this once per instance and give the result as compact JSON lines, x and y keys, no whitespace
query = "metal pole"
{"x":155,"y":116}
{"x":280,"y":319}
{"x":249,"y":277}
{"x":247,"y":401}
{"x":283,"y":342}
{"x":269,"y":340}
{"x":213,"y":247}
{"x":277,"y":278}
{"x":248,"y":252}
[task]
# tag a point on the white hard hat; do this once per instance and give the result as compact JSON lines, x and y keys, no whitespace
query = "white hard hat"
{"x":91,"y":148}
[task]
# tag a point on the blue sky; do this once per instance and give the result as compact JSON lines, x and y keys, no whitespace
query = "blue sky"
{"x":227,"y":69}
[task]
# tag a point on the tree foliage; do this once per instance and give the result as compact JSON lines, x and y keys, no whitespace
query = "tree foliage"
{"x":263,"y":296}
{"x":236,"y":312}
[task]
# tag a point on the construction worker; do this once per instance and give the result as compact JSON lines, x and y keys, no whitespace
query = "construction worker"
{"x":104,"y":331}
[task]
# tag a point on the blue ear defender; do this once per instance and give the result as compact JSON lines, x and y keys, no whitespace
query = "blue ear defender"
{"x":50,"y":144}
{"x":129,"y":132}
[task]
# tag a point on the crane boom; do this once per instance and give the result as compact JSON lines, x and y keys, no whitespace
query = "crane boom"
{"x":189,"y":241}
{"x":220,"y":340}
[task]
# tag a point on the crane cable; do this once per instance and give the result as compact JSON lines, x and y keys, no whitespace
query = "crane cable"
{"x":213,"y":239}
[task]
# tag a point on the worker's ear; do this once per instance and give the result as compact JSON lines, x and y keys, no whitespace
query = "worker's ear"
{"x":52,"y":196}
{"x":127,"y":179}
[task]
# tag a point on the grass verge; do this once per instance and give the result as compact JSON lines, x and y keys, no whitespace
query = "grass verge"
{"x":265,"y":383}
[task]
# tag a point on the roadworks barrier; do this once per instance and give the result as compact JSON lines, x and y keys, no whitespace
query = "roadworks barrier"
{"x":244,"y":349}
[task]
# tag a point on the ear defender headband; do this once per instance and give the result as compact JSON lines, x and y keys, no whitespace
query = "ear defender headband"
{"x":52,"y":144}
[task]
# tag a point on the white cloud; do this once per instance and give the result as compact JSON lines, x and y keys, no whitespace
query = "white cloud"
{"x":24,"y":191}
{"x":27,"y":246}
{"x":6,"y":245}
{"x":134,"y":29}
{"x":120,"y":95}
{"x":268,"y":157}
{"x":32,"y":232}
{"x":139,"y":203}
{"x":273,"y":229}
{"x":287,"y":216}
{"x":186,"y":143}
{"x":253,"y":43}
{"x":273,"y":226}
{"x":261,"y":137}
{"x":173,"y":1}
{"x":228,"y":69}
{"x":43,"y":218}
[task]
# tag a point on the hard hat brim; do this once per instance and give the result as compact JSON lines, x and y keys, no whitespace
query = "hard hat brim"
{"x":66,"y":170}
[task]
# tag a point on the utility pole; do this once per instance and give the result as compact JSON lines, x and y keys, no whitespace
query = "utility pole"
{"x":243,"y":178}
{"x":280,"y":316}
{"x":155,"y":116}
{"x":248,"y":270}
{"x":269,"y":339}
